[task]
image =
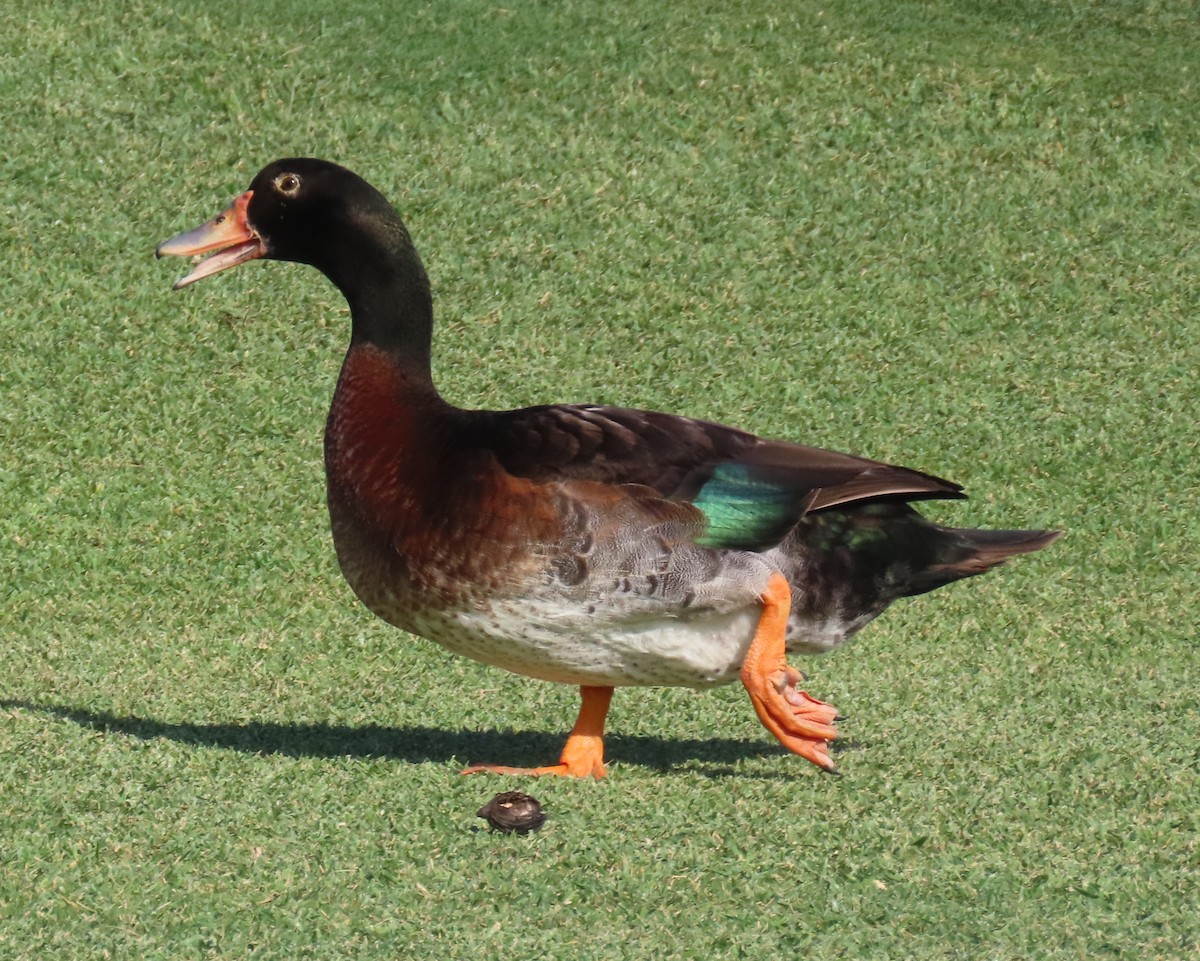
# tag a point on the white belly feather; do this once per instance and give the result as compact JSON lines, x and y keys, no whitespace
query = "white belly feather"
{"x":556,"y":645}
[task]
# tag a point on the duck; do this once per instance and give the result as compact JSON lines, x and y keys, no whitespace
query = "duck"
{"x":589,"y":545}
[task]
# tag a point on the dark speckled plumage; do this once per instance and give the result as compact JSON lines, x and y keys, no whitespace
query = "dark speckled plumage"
{"x":592,"y":545}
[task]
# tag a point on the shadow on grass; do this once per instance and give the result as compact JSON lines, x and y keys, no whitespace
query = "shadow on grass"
{"x":710,"y":757}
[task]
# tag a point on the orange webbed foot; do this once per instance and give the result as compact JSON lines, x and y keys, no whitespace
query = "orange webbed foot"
{"x":591,"y":768}
{"x":799,"y":721}
{"x":583,"y":755}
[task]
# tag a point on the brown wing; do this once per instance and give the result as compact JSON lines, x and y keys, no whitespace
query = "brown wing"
{"x":677,"y":456}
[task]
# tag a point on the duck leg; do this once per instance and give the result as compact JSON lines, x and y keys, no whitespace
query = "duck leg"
{"x":583,"y":755}
{"x":802,"y":724}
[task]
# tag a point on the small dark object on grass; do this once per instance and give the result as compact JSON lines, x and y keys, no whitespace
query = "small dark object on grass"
{"x":513,"y":811}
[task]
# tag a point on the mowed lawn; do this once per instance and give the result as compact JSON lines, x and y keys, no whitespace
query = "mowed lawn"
{"x":963,"y":237}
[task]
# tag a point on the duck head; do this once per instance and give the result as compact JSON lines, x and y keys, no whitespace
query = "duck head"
{"x":315,"y":212}
{"x":297,"y":209}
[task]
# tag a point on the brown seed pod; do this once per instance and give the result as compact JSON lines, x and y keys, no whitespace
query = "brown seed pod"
{"x":513,"y":811}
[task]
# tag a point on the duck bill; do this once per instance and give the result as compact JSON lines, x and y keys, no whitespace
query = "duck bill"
{"x":228,"y":237}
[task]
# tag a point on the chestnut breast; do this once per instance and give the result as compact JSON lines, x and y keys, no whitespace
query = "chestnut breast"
{"x":423,"y":517}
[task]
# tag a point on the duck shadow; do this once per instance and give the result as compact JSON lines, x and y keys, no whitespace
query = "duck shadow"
{"x":710,"y":757}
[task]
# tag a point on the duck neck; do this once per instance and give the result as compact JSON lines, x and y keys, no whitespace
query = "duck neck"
{"x":391,"y":309}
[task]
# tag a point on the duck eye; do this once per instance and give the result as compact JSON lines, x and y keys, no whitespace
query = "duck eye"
{"x":288,"y":184}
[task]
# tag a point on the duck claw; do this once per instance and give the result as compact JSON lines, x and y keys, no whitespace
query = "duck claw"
{"x":809,"y":716}
{"x":800,"y":722}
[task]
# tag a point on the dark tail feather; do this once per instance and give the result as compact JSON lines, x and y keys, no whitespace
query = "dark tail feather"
{"x":970,"y":552}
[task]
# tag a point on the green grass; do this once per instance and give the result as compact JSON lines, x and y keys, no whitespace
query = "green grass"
{"x":960,"y":236}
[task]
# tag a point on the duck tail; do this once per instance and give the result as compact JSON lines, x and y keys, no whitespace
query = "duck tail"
{"x":963,"y":552}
